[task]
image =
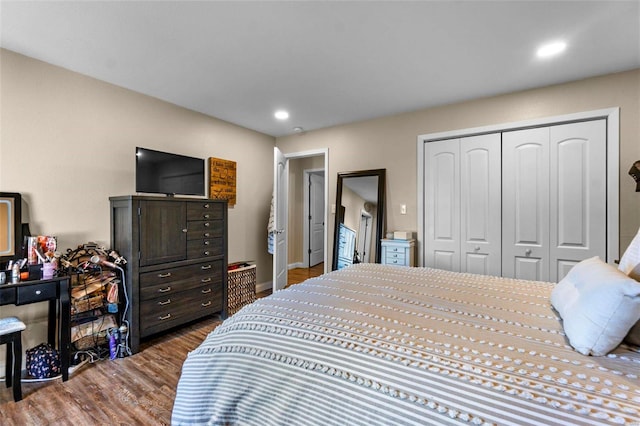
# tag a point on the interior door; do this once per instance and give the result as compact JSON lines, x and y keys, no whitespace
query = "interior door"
{"x":577,"y":195}
{"x":280,"y":182}
{"x":442,"y":204}
{"x":525,"y":204}
{"x":480,"y":205}
{"x":316,"y":219}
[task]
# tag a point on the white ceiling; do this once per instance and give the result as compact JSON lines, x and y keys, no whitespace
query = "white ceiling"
{"x":328,"y":63}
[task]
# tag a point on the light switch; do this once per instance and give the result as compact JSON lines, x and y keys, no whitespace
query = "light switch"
{"x":403,"y":209}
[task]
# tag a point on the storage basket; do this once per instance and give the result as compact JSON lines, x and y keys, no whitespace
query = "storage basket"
{"x":241,"y":287}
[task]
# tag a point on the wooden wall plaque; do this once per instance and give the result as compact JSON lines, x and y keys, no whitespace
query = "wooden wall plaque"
{"x":222,"y":180}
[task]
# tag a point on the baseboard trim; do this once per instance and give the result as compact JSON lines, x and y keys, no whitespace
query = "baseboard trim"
{"x":260,"y":287}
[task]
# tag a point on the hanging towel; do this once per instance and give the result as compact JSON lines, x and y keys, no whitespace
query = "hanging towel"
{"x":271,"y":228}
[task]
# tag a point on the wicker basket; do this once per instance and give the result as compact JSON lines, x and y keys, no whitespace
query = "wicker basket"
{"x":241,"y":288}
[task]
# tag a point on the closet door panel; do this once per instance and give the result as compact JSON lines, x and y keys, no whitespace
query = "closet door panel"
{"x":442,"y":186}
{"x":480,"y":198}
{"x":577,"y":195}
{"x":525,"y":204}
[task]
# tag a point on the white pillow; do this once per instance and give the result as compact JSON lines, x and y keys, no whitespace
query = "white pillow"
{"x":630,"y":261}
{"x":598,"y":305}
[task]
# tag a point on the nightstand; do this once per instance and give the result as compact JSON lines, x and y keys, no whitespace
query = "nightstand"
{"x":398,"y":252}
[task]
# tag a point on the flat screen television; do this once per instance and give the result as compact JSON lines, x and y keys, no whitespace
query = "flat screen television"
{"x":160,"y":172}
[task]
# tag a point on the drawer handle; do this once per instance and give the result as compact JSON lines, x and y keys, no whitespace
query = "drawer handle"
{"x":164,"y":290}
{"x":184,"y":230}
{"x":206,"y":253}
{"x":206,"y":243}
{"x":206,"y":216}
{"x":206,"y":224}
{"x":206,"y":234}
{"x":206,"y":206}
{"x":205,"y":280}
{"x":166,"y":302}
{"x":204,"y":305}
{"x":164,"y":317}
{"x":205,"y":267}
{"x":207,"y":291}
{"x":38,"y":292}
{"x":167,"y":275}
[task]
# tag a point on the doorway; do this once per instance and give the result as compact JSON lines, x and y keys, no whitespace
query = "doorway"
{"x":288,"y":173}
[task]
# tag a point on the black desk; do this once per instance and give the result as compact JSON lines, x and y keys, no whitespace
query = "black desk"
{"x":56,"y":291}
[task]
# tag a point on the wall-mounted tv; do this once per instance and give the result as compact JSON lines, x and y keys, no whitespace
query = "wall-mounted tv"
{"x":171,"y":174}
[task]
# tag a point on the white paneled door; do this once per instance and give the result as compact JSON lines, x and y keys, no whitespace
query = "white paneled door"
{"x":554,"y":199}
{"x":442,"y":200}
{"x":480,"y":193}
{"x":462,"y":186}
{"x":526,"y":204}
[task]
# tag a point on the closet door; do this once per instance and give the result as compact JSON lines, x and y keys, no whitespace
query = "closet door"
{"x":577,"y":195}
{"x":554,"y":199}
{"x":525,"y":204}
{"x":442,"y":209}
{"x":480,"y":197}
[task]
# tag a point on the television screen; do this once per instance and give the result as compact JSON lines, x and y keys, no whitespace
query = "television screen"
{"x":165,"y":173}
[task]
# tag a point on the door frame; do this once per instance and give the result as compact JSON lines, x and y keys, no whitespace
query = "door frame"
{"x":612,"y":115}
{"x":305,"y":215}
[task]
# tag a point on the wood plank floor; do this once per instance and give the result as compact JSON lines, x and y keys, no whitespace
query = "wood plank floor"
{"x":136,"y":390}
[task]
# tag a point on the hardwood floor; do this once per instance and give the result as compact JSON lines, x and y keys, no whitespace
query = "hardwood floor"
{"x":298,"y":275}
{"x":136,"y":390}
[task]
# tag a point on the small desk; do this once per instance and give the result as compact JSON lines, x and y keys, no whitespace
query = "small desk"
{"x":56,"y":291}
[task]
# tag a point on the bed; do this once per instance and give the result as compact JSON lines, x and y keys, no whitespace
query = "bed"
{"x":386,"y":345}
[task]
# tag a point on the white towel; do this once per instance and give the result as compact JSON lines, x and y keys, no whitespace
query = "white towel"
{"x":271,"y":228}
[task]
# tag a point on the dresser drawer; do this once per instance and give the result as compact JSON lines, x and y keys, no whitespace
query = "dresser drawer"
{"x":36,"y":293}
{"x":197,"y":249}
{"x":395,"y":249}
{"x":170,"y":281}
{"x":395,"y":260}
{"x":7,"y":296}
{"x":198,"y":229}
{"x":165,"y":312}
{"x":204,"y":210}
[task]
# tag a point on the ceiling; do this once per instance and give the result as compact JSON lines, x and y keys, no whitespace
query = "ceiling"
{"x":327,"y":63}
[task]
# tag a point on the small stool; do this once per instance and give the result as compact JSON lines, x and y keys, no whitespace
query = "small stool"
{"x":11,"y":335}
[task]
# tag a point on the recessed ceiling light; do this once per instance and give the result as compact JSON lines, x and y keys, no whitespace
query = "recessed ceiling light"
{"x":298,"y":129}
{"x":551,"y":49}
{"x":281,"y":115}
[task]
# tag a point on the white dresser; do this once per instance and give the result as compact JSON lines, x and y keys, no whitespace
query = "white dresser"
{"x":398,"y":252}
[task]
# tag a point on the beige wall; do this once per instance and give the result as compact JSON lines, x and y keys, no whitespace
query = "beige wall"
{"x":67,"y":143}
{"x":391,"y":142}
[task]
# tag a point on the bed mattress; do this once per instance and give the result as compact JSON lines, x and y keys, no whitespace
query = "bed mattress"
{"x":387,"y":345}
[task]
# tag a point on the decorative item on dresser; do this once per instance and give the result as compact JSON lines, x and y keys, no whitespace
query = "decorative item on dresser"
{"x":398,"y":252}
{"x":178,"y":252}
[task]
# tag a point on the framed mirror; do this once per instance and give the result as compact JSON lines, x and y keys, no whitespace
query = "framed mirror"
{"x":359,"y":224}
{"x":10,"y":226}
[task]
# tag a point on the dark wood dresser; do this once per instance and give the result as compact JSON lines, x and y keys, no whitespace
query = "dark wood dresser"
{"x":176,"y":251}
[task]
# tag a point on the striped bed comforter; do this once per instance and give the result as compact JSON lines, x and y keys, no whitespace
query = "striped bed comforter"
{"x":387,"y":345}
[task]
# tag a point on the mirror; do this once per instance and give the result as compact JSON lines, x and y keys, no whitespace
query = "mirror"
{"x":359,"y":217}
{"x":10,"y":225}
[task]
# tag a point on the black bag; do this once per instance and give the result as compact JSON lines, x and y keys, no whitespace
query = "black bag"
{"x":43,"y":361}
